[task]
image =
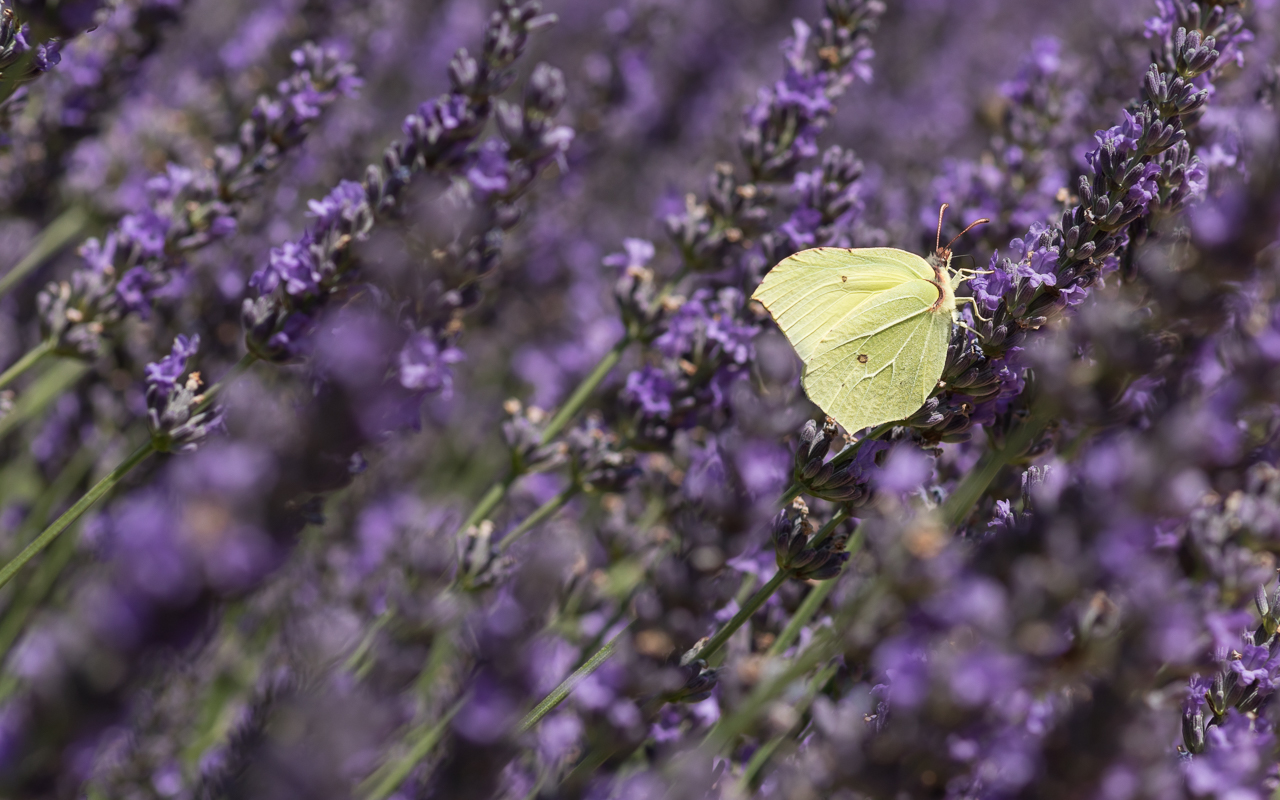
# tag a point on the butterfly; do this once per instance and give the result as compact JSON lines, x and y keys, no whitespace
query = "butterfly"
{"x":871,"y":325}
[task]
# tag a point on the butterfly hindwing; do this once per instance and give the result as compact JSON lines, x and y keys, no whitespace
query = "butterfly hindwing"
{"x":881,"y":361}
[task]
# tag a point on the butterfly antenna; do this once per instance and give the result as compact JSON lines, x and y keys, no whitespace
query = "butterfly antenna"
{"x":937,"y":243}
{"x":972,"y":225}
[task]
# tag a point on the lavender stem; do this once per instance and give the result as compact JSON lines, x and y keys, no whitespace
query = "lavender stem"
{"x":72,"y":514}
{"x":495,"y":493}
{"x":32,"y":357}
{"x":70,"y":224}
{"x":562,"y":691}
{"x":542,"y":513}
{"x":765,"y":592}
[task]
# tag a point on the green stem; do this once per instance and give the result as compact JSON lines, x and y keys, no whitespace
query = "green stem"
{"x":72,"y":514}
{"x":443,"y":648}
{"x":961,"y":501}
{"x":750,"y":607}
{"x":237,"y":369}
{"x":589,"y":766}
{"x":849,"y":452}
{"x":562,"y":418}
{"x":540,"y":515}
{"x":354,"y":664}
{"x":53,"y":238}
{"x":566,"y":686}
{"x":814,"y":599}
{"x":388,"y":778}
{"x":32,"y":357}
{"x":108,"y":483}
{"x":825,"y":531}
{"x":764,"y":593}
{"x":536,"y":791}
{"x":55,"y":494}
{"x":761,"y":757}
{"x":18,"y":73}
{"x":809,"y":607}
{"x":727,"y":729}
{"x":826,"y":644}
{"x":41,"y":581}
{"x":812,"y":602}
{"x":793,"y":491}
{"x":488,"y":502}
{"x":60,"y":377}
{"x":581,"y":394}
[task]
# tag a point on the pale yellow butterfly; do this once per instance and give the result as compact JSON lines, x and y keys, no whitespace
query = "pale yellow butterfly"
{"x":871,"y":325}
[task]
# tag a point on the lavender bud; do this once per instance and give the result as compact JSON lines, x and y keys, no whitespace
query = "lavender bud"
{"x":1217,"y":695}
{"x":480,"y":564}
{"x":523,"y":433}
{"x":790,"y":534}
{"x":829,"y":566}
{"x":1085,"y":191}
{"x":1192,"y":57}
{"x":814,"y":445}
{"x":545,"y":93}
{"x":698,"y":686}
{"x":510,"y":119}
{"x":464,"y":72}
{"x":1193,"y":728}
{"x":929,"y":414}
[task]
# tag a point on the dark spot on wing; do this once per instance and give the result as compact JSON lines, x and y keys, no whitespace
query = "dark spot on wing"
{"x":844,"y":278}
{"x":862,"y":358}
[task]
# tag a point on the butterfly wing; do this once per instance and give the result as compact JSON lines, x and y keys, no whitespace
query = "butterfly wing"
{"x":882,"y":360}
{"x":811,"y":292}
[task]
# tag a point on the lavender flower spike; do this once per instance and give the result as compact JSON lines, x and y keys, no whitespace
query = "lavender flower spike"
{"x":300,"y":278}
{"x":177,"y":413}
{"x":23,"y":57}
{"x":188,"y":208}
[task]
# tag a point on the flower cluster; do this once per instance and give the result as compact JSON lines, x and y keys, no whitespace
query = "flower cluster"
{"x":27,"y":52}
{"x":75,"y":99}
{"x":140,"y":262}
{"x":300,"y":277}
{"x":178,"y":413}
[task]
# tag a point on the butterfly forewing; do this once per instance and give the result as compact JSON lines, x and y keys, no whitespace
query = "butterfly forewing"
{"x":811,"y":292}
{"x":881,"y":361}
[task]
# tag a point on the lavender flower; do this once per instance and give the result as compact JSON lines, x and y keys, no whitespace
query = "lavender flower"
{"x":180,"y":418}
{"x":187,"y":209}
{"x":442,"y":134}
{"x":25,"y":52}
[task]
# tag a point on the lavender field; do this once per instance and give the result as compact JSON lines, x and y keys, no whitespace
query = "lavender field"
{"x":384,"y":412}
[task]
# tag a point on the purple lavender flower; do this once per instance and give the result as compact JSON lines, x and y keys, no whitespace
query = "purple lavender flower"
{"x":651,"y":391}
{"x":290,"y":265}
{"x":423,"y":365}
{"x":637,"y":253}
{"x":187,"y":209}
{"x":1234,"y":761}
{"x":179,"y":416}
{"x":165,"y":374}
{"x":1255,"y":664}
{"x":442,"y":135}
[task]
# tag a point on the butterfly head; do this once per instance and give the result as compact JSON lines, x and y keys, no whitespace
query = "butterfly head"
{"x":945,"y":279}
{"x":943,"y":252}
